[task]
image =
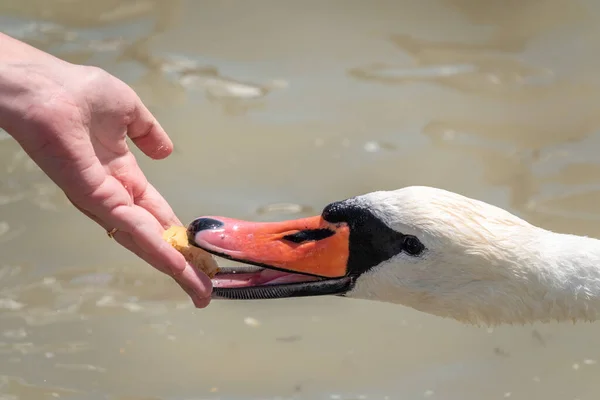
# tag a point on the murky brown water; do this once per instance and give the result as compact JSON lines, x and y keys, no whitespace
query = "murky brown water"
{"x":276,"y":109}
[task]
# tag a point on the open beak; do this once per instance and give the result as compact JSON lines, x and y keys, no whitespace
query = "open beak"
{"x":303,"y":257}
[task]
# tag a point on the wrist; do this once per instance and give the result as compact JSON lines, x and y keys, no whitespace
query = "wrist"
{"x":13,"y":91}
{"x":27,"y":82}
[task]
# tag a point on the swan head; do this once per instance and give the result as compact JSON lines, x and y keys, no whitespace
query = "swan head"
{"x":433,"y":250}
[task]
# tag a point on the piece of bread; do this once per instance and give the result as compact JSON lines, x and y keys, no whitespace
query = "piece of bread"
{"x":176,"y":236}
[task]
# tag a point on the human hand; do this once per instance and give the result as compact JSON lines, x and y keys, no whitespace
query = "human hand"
{"x":74,"y":121}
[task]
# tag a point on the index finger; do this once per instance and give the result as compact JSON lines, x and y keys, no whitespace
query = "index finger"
{"x":157,"y":205}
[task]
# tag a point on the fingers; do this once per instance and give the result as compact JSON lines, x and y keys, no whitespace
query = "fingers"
{"x":152,"y":201}
{"x":161,"y":255}
{"x":147,"y":134}
{"x":146,"y":233}
{"x":196,"y":284}
{"x":142,"y":192}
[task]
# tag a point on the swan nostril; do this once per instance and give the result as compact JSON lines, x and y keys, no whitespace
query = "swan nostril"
{"x":203,"y":224}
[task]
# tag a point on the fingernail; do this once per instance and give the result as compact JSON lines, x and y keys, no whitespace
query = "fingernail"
{"x":201,"y":302}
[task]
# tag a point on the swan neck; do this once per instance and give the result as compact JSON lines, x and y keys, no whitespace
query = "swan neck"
{"x":569,"y":276}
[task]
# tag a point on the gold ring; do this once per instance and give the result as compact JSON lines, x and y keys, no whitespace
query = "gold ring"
{"x":111,"y":233}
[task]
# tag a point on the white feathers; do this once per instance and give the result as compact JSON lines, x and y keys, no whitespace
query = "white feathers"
{"x":482,"y":265}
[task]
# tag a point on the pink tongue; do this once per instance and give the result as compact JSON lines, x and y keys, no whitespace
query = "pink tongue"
{"x":263,"y":277}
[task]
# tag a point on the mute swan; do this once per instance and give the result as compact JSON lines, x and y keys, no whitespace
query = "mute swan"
{"x":430,"y":249}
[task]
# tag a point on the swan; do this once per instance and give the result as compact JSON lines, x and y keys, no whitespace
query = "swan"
{"x":436,"y":251}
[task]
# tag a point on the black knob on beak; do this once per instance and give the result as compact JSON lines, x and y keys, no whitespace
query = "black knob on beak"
{"x":203,"y":224}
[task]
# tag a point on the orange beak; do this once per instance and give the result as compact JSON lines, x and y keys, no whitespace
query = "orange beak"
{"x":308,"y":246}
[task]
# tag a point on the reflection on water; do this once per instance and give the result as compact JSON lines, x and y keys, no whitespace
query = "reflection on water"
{"x":467,"y":71}
{"x":277,"y":109}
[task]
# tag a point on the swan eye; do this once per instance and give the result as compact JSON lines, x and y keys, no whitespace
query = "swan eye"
{"x":412,"y":245}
